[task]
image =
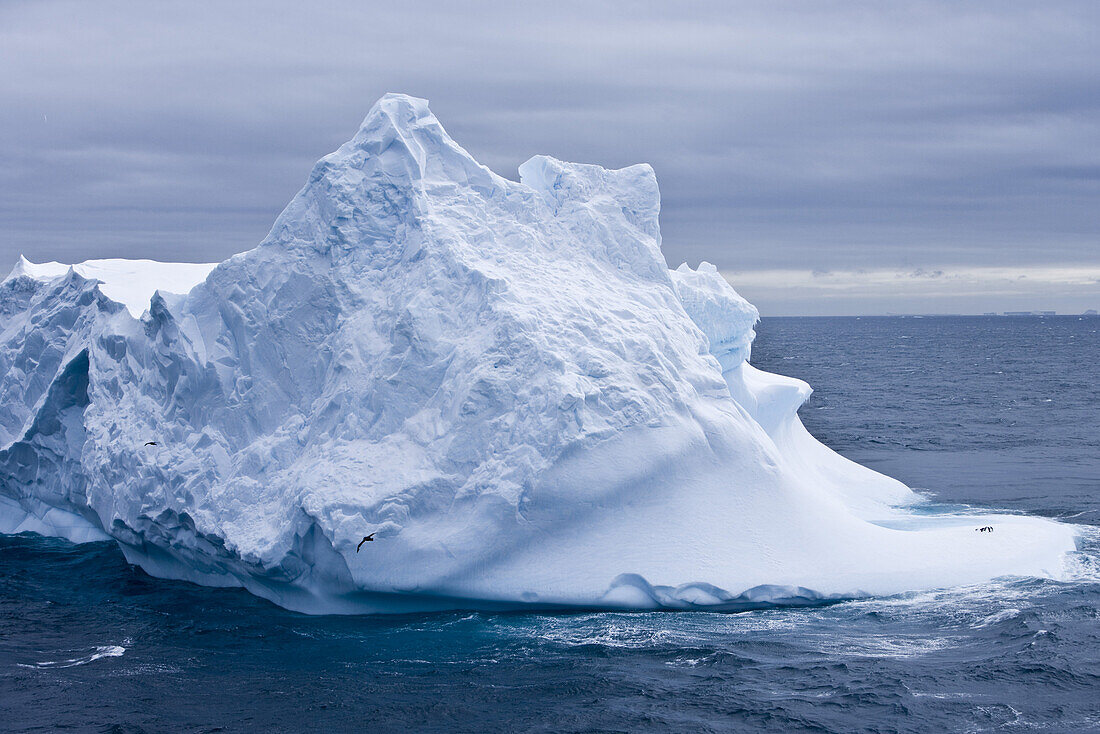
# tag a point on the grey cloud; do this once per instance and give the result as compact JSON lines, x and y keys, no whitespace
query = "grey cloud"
{"x":831,"y":135}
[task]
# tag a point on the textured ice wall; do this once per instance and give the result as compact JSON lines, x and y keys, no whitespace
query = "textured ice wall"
{"x":503,"y":380}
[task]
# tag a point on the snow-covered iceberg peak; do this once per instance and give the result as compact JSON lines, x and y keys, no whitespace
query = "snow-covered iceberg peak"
{"x":381,"y":182}
{"x":502,"y":380}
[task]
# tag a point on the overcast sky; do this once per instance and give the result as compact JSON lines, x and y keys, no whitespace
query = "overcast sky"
{"x":830,"y":158}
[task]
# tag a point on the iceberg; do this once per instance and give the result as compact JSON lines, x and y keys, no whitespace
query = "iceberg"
{"x":503,"y":380}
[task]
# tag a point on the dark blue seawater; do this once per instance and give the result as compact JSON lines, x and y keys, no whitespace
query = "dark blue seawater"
{"x":995,"y":412}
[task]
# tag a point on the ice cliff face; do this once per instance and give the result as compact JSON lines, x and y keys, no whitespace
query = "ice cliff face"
{"x":503,"y":380}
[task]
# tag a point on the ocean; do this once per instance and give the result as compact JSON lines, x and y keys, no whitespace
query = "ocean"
{"x":975,"y":412}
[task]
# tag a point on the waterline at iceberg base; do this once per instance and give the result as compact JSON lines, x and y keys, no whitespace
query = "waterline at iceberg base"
{"x":502,"y":380}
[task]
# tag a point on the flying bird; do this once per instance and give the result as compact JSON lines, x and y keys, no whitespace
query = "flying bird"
{"x":150,"y":443}
{"x":366,"y":539}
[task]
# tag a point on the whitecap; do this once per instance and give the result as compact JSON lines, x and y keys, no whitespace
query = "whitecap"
{"x":102,"y":651}
{"x":1001,"y":616}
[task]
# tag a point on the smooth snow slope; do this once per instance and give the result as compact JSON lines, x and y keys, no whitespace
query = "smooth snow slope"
{"x":502,"y":379}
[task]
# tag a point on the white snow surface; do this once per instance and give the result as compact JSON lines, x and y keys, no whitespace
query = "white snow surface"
{"x":503,"y":380}
{"x":130,"y":282}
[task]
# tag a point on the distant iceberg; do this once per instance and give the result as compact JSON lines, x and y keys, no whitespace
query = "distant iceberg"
{"x":503,"y":380}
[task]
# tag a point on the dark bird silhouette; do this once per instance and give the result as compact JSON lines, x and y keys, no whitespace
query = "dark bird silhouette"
{"x":150,"y":443}
{"x":367,"y":539}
